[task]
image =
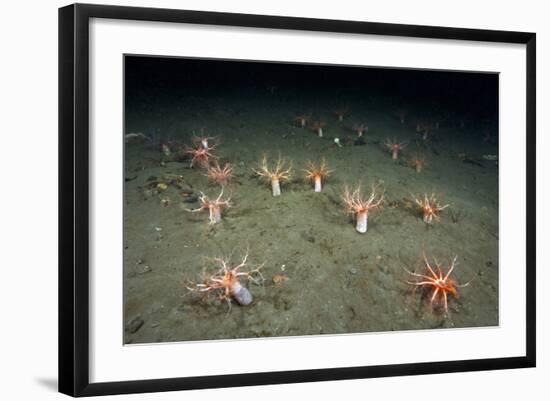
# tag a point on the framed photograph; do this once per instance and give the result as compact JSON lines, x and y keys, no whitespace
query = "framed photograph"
{"x":251,"y":199}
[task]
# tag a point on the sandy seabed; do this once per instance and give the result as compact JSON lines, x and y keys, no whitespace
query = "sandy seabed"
{"x":335,"y":280}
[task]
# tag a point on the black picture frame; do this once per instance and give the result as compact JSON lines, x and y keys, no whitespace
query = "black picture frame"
{"x":74,"y":198}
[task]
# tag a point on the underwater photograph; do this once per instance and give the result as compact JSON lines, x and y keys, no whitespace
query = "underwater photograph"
{"x":270,"y":199}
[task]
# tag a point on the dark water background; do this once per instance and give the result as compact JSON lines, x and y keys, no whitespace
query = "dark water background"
{"x":337,"y":280}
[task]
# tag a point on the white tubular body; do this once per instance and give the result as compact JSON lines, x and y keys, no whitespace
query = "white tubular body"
{"x":427,"y":218}
{"x":215,"y":215}
{"x":320,"y":132}
{"x":394,"y":153}
{"x":276,"y":187}
{"x":362,"y":222}
{"x":204,"y":143}
{"x":241,"y":294}
{"x":318,"y":185}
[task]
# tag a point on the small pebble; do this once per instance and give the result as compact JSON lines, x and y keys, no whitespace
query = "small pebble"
{"x":135,"y":324}
{"x":144,"y":269}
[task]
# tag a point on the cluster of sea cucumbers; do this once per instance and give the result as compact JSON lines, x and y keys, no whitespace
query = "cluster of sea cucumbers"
{"x":227,"y":282}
